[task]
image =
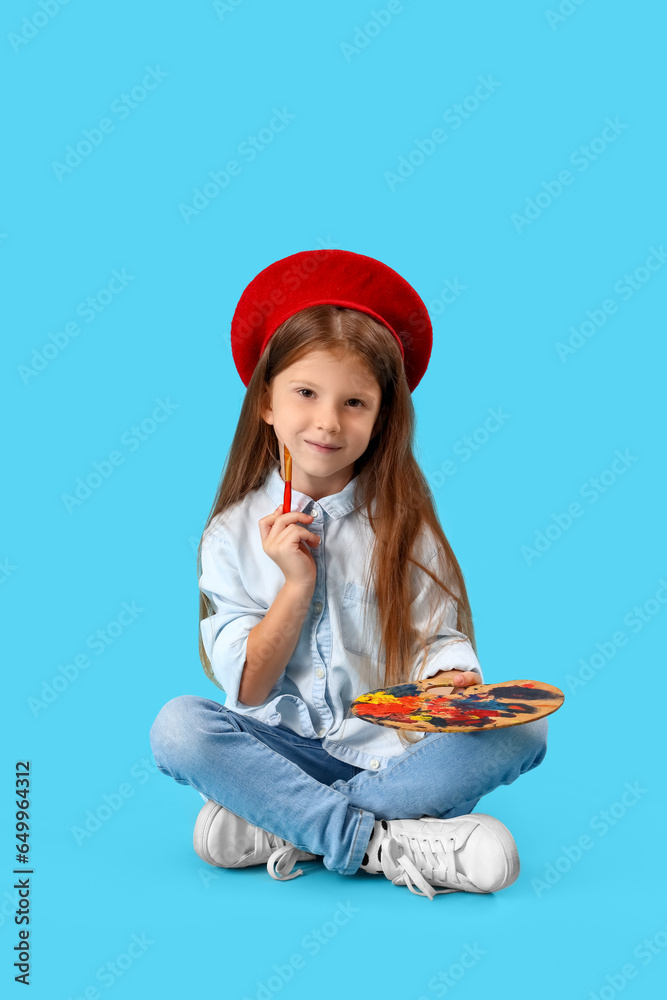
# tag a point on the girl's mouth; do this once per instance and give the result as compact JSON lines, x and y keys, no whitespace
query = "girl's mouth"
{"x":323,"y":449}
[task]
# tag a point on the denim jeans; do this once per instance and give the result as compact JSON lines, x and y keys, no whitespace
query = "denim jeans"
{"x":288,"y":785}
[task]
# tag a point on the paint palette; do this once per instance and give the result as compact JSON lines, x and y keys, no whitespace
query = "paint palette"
{"x":465,"y":710}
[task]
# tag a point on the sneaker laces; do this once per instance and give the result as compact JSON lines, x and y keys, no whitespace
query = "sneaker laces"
{"x":430,"y":866}
{"x":282,"y":861}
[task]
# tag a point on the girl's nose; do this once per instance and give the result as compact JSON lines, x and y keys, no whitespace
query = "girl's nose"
{"x":329,"y":422}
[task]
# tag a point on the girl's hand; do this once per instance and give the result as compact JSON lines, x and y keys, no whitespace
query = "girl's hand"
{"x":452,"y":679}
{"x":286,"y":541}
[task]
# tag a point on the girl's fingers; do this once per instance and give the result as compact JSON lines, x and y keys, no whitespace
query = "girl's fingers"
{"x":457,"y":678}
{"x":296,"y":519}
{"x":464,"y":678}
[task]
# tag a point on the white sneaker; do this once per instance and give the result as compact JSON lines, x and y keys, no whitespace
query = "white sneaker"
{"x":472,"y":853}
{"x":224,"y":839}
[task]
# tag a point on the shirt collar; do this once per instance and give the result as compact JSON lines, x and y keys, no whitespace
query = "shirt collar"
{"x":336,"y":505}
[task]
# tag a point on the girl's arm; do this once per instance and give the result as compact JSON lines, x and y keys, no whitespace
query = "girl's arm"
{"x":287,"y":542}
{"x":449,"y":653}
{"x":271,"y":643}
{"x":225,"y":633}
{"x":447,"y":658}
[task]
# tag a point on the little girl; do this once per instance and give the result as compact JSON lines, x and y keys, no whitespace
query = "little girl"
{"x":354,"y":588}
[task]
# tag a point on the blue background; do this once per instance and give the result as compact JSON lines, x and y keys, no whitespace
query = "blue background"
{"x":566,"y":927}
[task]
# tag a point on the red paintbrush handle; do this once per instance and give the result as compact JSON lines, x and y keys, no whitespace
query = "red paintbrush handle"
{"x":288,"y":482}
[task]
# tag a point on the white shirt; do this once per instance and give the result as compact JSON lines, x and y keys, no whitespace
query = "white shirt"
{"x":330,"y":665}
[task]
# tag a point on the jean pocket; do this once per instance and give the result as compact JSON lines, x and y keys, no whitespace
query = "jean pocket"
{"x":359,"y":621}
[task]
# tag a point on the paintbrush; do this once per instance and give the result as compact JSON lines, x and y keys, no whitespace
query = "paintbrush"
{"x":288,"y":481}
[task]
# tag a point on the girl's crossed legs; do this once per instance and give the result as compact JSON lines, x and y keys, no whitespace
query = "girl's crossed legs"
{"x":289,"y":785}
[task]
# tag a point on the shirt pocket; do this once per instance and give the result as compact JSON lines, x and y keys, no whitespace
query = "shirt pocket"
{"x":359,"y":623}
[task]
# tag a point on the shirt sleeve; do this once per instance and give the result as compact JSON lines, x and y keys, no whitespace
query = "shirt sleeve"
{"x":225,"y":633}
{"x":447,"y":649}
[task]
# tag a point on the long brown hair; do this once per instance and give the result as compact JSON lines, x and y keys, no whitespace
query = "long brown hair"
{"x":391,"y":490}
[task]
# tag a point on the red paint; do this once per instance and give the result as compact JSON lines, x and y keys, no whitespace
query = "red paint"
{"x":406,"y":705}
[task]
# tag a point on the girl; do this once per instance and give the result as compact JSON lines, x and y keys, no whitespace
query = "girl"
{"x":355,"y":587}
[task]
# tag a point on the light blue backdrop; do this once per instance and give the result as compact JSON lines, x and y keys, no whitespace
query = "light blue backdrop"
{"x":508,"y":160}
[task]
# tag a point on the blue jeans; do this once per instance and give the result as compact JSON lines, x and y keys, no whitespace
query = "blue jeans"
{"x":289,"y":785}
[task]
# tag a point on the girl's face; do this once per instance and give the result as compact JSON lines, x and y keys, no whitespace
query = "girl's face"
{"x":323,"y":401}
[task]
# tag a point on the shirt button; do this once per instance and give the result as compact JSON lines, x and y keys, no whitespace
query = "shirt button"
{"x":319,"y":672}
{"x":317,"y":607}
{"x":321,"y":732}
{"x":375,"y":764}
{"x":314,"y":511}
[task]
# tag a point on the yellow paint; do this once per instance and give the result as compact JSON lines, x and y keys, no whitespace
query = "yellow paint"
{"x":378,"y":698}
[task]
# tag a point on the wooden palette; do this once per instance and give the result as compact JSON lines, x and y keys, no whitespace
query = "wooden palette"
{"x":465,"y":710}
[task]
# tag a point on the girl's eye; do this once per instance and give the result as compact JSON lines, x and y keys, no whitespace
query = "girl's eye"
{"x":354,"y":399}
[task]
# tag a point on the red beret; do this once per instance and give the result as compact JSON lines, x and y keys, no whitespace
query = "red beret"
{"x":314,"y":277}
